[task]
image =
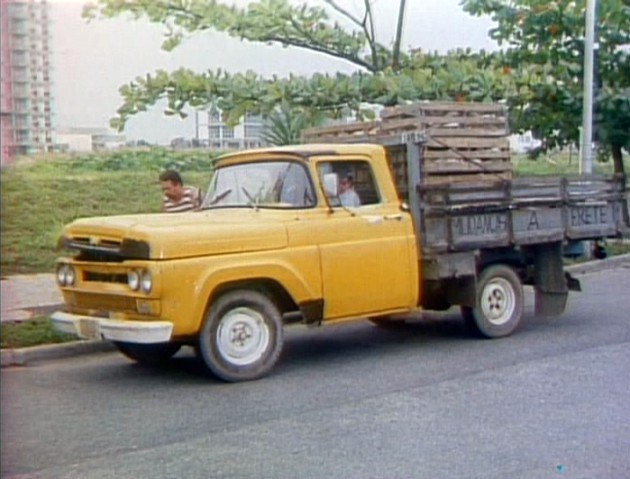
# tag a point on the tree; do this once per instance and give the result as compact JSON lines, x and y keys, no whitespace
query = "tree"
{"x":316,"y":28}
{"x":546,"y":39}
{"x":383,"y":76}
{"x":284,"y":125}
{"x":538,"y":72}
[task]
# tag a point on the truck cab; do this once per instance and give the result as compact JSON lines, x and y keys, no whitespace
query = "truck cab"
{"x":272,"y":244}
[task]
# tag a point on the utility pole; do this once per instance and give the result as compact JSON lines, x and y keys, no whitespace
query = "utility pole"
{"x":586,"y":148}
{"x":399,"y":28}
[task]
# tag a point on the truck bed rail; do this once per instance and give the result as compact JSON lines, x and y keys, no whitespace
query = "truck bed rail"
{"x":527,"y":210}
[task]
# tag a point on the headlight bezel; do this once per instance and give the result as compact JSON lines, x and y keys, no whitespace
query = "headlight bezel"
{"x":133,"y":279}
{"x":146,"y":281}
{"x":66,"y":275}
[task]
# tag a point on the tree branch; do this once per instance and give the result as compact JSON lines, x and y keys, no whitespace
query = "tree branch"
{"x":345,"y":13}
{"x":370,"y":33}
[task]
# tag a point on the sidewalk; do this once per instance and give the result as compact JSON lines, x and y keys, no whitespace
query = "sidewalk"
{"x":25,"y":296}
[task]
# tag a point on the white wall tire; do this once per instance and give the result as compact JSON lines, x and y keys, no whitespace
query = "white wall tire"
{"x":498,"y":303}
{"x":242,"y":336}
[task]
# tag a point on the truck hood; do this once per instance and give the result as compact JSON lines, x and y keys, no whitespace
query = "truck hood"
{"x":180,"y":235}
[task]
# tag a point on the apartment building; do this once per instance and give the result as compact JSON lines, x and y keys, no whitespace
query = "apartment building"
{"x":25,"y":110}
{"x":213,"y":132}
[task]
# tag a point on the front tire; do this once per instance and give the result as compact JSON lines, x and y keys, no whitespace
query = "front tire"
{"x":242,"y":336}
{"x":148,"y":354}
{"x":498,"y":303}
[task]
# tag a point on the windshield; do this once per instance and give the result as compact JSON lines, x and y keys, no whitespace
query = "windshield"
{"x":271,"y":184}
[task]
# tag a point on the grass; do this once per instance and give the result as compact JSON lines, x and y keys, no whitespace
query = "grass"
{"x":40,"y":196}
{"x":33,"y":332}
{"x":560,"y":163}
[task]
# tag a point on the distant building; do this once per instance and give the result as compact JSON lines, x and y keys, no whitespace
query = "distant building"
{"x":25,"y":111}
{"x":88,"y":139}
{"x":213,"y":132}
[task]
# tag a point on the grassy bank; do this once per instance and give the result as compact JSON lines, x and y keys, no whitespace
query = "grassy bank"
{"x":33,"y":332}
{"x":40,"y":195}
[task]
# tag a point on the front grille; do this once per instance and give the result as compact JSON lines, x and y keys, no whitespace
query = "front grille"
{"x":95,"y":243}
{"x":94,"y":248}
{"x":104,"y":277}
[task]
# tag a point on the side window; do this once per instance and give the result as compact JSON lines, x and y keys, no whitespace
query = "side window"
{"x":356,"y":182}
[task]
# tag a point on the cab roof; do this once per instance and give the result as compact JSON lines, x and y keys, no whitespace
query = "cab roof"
{"x":305,"y":151}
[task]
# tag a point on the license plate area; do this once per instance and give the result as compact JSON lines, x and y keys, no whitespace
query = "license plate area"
{"x":89,"y":328}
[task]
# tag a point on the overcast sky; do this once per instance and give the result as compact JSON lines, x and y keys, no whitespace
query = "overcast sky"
{"x":92,"y":60}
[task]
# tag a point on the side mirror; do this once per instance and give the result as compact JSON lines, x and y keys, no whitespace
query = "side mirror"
{"x":331,"y":185}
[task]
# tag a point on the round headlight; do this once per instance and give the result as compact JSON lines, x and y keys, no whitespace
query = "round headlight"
{"x":133,"y":279}
{"x":146,"y":282}
{"x":71,"y":275}
{"x":61,"y":274}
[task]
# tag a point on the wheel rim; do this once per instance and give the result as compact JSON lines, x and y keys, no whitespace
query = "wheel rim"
{"x":498,"y":301}
{"x":242,"y":336}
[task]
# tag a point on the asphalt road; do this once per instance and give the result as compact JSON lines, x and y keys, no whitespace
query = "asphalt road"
{"x":347,"y":401}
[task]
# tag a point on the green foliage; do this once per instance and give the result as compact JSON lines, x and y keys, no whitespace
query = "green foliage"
{"x":544,"y":50}
{"x":285,"y":124}
{"x":266,"y":21}
{"x":39,"y":197}
{"x":33,"y":332}
{"x":538,"y":73}
{"x":153,"y":159}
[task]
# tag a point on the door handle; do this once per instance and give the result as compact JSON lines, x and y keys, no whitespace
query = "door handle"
{"x":393,"y":217}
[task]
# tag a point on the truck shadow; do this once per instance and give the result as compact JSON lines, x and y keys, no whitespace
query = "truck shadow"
{"x":305,"y":348}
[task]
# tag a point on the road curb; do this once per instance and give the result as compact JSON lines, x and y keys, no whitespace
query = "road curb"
{"x":599,"y":264}
{"x":24,"y":356}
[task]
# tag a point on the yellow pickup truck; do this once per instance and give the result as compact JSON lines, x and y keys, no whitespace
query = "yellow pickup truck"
{"x":274,"y":244}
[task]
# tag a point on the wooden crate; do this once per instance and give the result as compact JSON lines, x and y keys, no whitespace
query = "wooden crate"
{"x":465,"y":141}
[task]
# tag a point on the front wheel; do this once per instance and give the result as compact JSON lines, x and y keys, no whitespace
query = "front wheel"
{"x":498,"y":303}
{"x":148,"y":353}
{"x":242,"y":336}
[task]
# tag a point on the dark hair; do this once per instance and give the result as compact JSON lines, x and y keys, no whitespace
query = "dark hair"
{"x":171,"y":175}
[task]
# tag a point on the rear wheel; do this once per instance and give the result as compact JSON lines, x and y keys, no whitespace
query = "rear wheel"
{"x":242,"y":336}
{"x":498,"y":303}
{"x":148,"y":353}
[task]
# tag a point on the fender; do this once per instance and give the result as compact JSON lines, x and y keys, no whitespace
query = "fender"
{"x":302,"y":284}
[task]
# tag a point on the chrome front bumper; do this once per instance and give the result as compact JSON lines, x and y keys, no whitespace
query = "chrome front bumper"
{"x":91,"y":327}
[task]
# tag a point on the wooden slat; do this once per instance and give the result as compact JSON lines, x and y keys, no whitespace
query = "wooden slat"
{"x":419,"y":108}
{"x":466,"y":132}
{"x":485,"y":154}
{"x":465,"y":178}
{"x":461,"y":120}
{"x":463,"y":166}
{"x":446,"y":142}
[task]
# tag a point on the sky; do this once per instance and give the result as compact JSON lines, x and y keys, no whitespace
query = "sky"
{"x":91,"y":60}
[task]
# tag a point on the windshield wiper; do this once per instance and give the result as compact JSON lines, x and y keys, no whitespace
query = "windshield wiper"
{"x":252,"y":201}
{"x":220,"y":196}
{"x":217,"y":199}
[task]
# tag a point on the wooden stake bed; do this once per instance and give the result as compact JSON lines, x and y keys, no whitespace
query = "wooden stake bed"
{"x":464,"y":141}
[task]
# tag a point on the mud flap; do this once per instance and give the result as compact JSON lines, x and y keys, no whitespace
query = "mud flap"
{"x":550,"y":282}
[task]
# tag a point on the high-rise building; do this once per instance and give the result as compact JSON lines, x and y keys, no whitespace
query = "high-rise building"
{"x":217,"y":134}
{"x":25,"y":111}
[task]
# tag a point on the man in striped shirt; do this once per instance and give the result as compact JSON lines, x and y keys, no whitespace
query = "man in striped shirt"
{"x":177,"y":197}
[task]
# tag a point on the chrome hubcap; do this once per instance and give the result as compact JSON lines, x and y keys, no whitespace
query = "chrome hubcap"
{"x":242,"y":336}
{"x":498,"y":301}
